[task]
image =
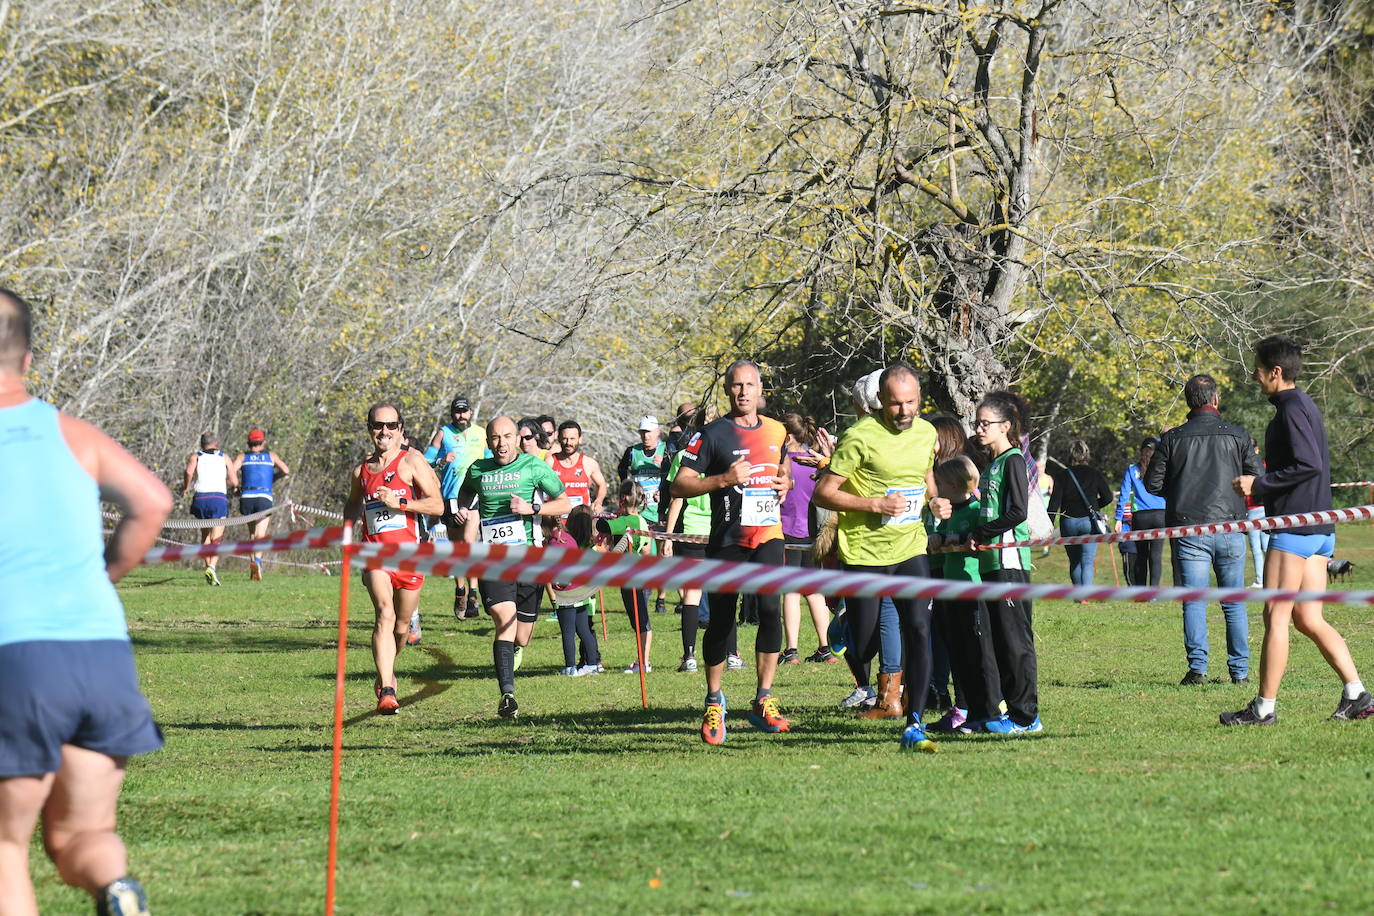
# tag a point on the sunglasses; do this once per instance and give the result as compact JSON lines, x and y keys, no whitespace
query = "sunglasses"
{"x":526,"y":438}
{"x":384,"y":424}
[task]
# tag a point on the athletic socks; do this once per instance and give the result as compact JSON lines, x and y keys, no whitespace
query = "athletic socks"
{"x":761,"y":693}
{"x":715,"y":698}
{"x":1264,"y":707}
{"x":689,"y":628}
{"x":503,"y":657}
{"x":1353,"y":690}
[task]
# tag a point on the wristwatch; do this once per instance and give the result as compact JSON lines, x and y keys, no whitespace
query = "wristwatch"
{"x":403,"y":502}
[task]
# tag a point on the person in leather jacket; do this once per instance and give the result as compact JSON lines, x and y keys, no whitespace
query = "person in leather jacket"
{"x":1192,"y":468}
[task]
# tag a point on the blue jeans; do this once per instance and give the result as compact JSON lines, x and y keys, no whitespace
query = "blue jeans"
{"x":1082,"y":557}
{"x":1194,"y":559}
{"x":1259,"y":543}
{"x":889,"y":638}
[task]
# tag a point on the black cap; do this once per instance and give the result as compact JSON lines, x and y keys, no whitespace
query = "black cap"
{"x":459,"y":403}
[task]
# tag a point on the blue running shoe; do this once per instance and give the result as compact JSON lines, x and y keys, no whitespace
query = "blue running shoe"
{"x":1002,"y":725}
{"x":914,"y":738}
{"x":837,"y":634}
{"x":1031,"y":729}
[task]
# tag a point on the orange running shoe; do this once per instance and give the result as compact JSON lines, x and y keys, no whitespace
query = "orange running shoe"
{"x":764,"y":715}
{"x":387,"y":704}
{"x":255,"y":570}
{"x":713,"y":724}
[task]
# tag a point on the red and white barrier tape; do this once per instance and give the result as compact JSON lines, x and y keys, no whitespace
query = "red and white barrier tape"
{"x":297,"y":508}
{"x":577,"y":568}
{"x":305,"y":539}
{"x":1357,"y":483}
{"x":669,"y":536}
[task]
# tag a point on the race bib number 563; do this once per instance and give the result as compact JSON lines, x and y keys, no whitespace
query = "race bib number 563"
{"x":760,"y":507}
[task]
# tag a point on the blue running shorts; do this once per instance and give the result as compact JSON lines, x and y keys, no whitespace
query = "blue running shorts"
{"x":1303,"y":545}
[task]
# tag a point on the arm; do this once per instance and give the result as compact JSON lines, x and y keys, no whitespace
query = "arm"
{"x":143,"y":499}
{"x":598,"y":480}
{"x":828,"y":495}
{"x":190,"y":475}
{"x":1056,"y":503}
{"x":939,"y":506}
{"x":1104,"y":491}
{"x":1159,"y":465}
{"x":423,"y":482}
{"x":279,"y":465}
{"x":353,"y":507}
{"x":232,"y":472}
{"x":622,"y":470}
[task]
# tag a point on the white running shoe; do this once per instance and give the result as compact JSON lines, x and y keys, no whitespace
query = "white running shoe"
{"x":862,"y":696}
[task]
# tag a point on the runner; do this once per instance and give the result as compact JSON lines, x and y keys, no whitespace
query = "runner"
{"x":73,"y":710}
{"x":451,"y":452}
{"x":581,"y":475}
{"x":878,"y":480}
{"x":209,"y":475}
{"x":389,"y":491}
{"x":258,"y":470}
{"x":506,"y":487}
{"x":644,"y":464}
{"x":739,"y":461}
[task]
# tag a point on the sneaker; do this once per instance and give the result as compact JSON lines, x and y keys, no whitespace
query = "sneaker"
{"x":1362,"y":707}
{"x":950,"y":721}
{"x":584,"y":670}
{"x":914,"y":738}
{"x":413,"y":632}
{"x":507,"y":708}
{"x":211,"y":576}
{"x":1249,"y":716}
{"x":255,"y":570}
{"x":1034,"y":728}
{"x":689,"y":663}
{"x":570,"y":671}
{"x":1002,"y":725}
{"x":1243,"y":679}
{"x":764,"y":715}
{"x":823,"y":656}
{"x":838,"y":636}
{"x":473,"y":611}
{"x":735,"y":663}
{"x":459,"y":603}
{"x":124,"y":897}
{"x":860,"y":697}
{"x":789,"y":657}
{"x":519,"y":657}
{"x":713,"y":724}
{"x":387,"y":704}
{"x":1193,"y":678}
{"x":1257,"y":585}
{"x":633,"y":668}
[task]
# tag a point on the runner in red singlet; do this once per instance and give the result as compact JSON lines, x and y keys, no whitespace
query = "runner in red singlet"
{"x":581,"y":474}
{"x":390,"y":489}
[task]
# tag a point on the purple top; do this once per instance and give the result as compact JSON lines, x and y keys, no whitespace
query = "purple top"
{"x":796,"y":506}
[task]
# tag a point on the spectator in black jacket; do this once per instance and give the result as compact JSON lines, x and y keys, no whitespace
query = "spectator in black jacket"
{"x":1298,"y":479}
{"x":1193,"y":468}
{"x":1078,"y":490}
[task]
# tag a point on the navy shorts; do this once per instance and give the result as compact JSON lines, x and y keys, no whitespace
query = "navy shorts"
{"x":210,"y":506}
{"x":526,"y":597}
{"x":83,"y":693}
{"x":251,"y":505}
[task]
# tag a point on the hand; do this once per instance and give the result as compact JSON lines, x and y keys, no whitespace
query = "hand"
{"x":811,"y":459}
{"x":462,"y":516}
{"x":780,"y":484}
{"x":450,"y":458}
{"x":941,"y":508}
{"x":824,"y":444}
{"x":893,"y":504}
{"x":737,"y":474}
{"x":521,"y":506}
{"x":665,"y":548}
{"x":1244,"y":484}
{"x":388,"y":497}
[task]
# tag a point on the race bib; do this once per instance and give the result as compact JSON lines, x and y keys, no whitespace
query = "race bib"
{"x":575,"y":500}
{"x":380,"y":518}
{"x":915,"y":499}
{"x":504,"y":529}
{"x":760,"y":507}
{"x":650,"y":484}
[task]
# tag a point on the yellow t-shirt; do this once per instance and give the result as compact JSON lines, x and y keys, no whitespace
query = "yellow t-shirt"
{"x":876,"y":460}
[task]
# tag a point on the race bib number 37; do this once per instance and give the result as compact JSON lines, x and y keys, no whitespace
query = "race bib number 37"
{"x":911,"y":513}
{"x":504,"y":529}
{"x":760,"y":507}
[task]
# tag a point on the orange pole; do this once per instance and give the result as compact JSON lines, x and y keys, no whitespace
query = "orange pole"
{"x":639,"y":649}
{"x":340,"y":668}
{"x":601,"y":603}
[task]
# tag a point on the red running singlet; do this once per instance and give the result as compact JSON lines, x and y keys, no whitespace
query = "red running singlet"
{"x":576,"y":484}
{"x":380,"y":524}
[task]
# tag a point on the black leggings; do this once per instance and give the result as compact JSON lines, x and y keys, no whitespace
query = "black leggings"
{"x":1149,"y":555}
{"x":574,"y":624}
{"x":1013,"y":642}
{"x":636,"y":603}
{"x":715,"y":645}
{"x":964,"y":625}
{"x":914,"y":614}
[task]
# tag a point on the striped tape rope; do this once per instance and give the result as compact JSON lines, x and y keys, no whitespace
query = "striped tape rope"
{"x":305,"y":539}
{"x":1356,"y":483}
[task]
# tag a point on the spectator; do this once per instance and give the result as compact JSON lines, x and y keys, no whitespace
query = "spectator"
{"x":1146,"y":510}
{"x":1079,"y":491}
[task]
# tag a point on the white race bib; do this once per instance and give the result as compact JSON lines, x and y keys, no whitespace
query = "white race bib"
{"x":504,"y":529}
{"x":575,"y":500}
{"x":380,"y":518}
{"x":759,"y":508}
{"x":915,"y":499}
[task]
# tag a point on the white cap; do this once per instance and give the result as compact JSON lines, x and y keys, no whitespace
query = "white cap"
{"x":648,"y":423}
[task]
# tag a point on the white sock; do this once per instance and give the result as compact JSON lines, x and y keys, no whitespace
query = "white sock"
{"x":1264,"y":707}
{"x":1353,"y":690}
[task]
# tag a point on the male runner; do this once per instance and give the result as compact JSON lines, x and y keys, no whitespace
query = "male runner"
{"x":581,"y":474}
{"x":389,"y":491}
{"x":878,"y":480}
{"x":208,"y":473}
{"x":738,"y":459}
{"x":451,"y":452}
{"x":257,"y":470}
{"x":506,"y":487}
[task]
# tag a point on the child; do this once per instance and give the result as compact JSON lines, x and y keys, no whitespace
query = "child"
{"x":571,"y":605}
{"x":631,"y":501}
{"x":963,"y":623}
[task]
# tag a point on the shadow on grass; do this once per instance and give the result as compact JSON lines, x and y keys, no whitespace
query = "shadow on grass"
{"x":233,"y":638}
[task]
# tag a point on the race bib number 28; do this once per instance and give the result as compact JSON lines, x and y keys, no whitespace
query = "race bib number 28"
{"x":380,"y":518}
{"x":760,"y":507}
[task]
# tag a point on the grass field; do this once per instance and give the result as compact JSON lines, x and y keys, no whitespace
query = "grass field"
{"x":1134,"y":799}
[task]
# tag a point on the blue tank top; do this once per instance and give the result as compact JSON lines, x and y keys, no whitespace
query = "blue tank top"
{"x":256,"y":474}
{"x":53,"y":583}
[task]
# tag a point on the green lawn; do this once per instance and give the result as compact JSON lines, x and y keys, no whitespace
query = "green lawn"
{"x":1134,"y":798}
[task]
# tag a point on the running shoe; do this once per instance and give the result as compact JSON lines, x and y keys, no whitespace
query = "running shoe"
{"x":519,"y":657}
{"x":713,"y":724}
{"x":735,"y":663}
{"x":1362,"y":707}
{"x":1002,"y":725}
{"x":255,"y":570}
{"x":789,"y":657}
{"x":473,"y":611}
{"x":764,"y":715}
{"x":570,"y":671}
{"x":459,"y":602}
{"x":823,"y":656}
{"x":949,"y":723}
{"x":914,"y":738}
{"x":862,"y":696}
{"x":124,"y":897}
{"x":689,"y":663}
{"x":211,"y":576}
{"x":413,"y":632}
{"x":1249,"y":716}
{"x":507,"y":708}
{"x":387,"y":704}
{"x":838,"y":636}
{"x":633,"y":668}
